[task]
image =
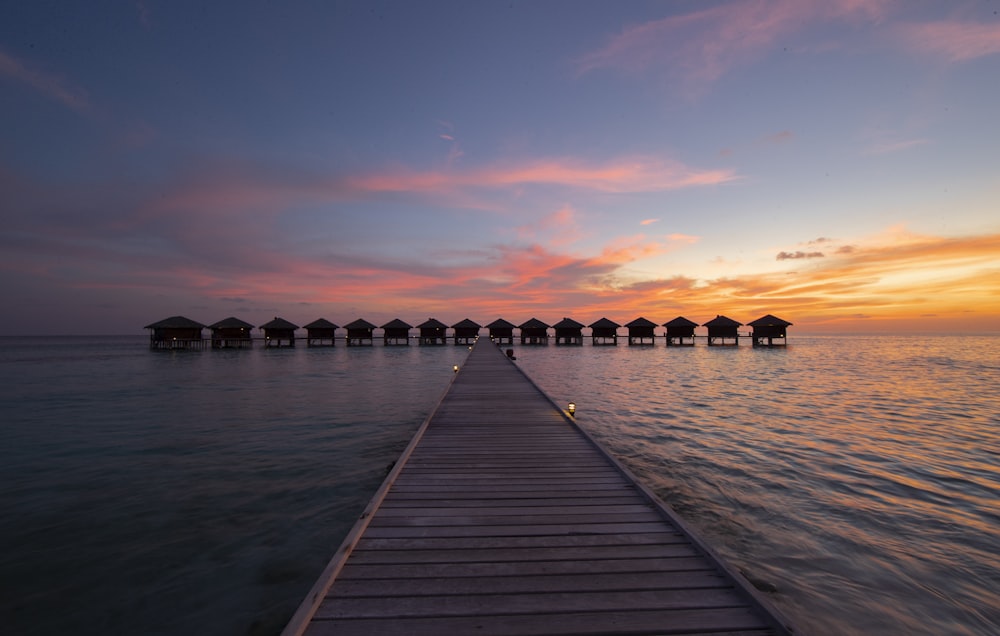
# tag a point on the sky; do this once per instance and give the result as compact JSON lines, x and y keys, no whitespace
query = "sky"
{"x":835,"y":163}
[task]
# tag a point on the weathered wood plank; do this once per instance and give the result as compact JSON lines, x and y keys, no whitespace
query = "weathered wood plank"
{"x":585,"y":567}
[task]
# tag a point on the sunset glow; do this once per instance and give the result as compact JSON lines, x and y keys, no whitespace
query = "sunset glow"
{"x":832,"y":163}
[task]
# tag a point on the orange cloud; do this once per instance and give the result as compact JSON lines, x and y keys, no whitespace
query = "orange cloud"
{"x":955,"y":41}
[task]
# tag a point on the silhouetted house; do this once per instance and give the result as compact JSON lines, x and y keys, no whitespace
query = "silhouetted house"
{"x":534,"y":332}
{"x":568,"y":331}
{"x":432,"y":332}
{"x":321,"y":333}
{"x":722,"y":331}
{"x":231,"y":333}
{"x":680,"y":331}
{"x":176,"y":332}
{"x":501,"y":331}
{"x":769,"y":328}
{"x":359,"y":333}
{"x":279,"y":333}
{"x":396,"y":332}
{"x":466,"y":332}
{"x":641,"y":332}
{"x":604,"y":332}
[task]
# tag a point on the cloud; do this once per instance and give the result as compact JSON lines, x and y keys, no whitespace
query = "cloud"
{"x":702,"y":46}
{"x":784,"y":256}
{"x":781,"y":137}
{"x":649,"y":221}
{"x":954,"y":41}
{"x":52,"y":86}
{"x":895,"y":145}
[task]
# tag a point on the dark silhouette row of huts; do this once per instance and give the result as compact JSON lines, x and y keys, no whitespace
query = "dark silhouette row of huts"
{"x":179,"y":332}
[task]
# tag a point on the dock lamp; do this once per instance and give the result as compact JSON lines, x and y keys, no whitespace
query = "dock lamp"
{"x":571,"y":409}
{"x":455,"y":368}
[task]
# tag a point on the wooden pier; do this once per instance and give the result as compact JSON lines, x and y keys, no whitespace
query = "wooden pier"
{"x":503,"y":517}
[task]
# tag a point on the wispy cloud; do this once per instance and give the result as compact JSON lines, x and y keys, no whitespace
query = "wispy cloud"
{"x":955,"y":41}
{"x":48,"y":84}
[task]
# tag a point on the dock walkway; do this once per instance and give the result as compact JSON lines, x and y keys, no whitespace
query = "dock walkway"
{"x":503,"y":517}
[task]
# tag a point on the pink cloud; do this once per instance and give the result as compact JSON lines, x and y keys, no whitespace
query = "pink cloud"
{"x":52,"y":86}
{"x":955,"y":41}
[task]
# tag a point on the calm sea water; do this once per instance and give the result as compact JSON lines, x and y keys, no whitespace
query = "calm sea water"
{"x":857,"y":479}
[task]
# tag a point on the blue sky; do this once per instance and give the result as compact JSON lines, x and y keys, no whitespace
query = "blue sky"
{"x":834,"y":163}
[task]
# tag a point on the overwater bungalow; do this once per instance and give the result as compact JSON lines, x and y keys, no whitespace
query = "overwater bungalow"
{"x":176,"y":332}
{"x":433,"y":332}
{"x":359,"y":333}
{"x":568,"y":331}
{"x":723,"y":331}
{"x":534,"y":332}
{"x":466,"y":332}
{"x":501,"y":331}
{"x":680,"y":332}
{"x":396,"y":332}
{"x":604,"y":332}
{"x":321,"y":333}
{"x":641,"y":332}
{"x":279,"y":333}
{"x":231,"y":333}
{"x":767,"y":329}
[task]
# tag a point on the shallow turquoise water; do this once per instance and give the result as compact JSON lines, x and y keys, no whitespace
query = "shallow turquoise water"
{"x":203,"y":492}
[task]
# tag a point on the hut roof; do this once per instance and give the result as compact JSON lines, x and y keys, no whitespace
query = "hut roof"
{"x":500,"y":323}
{"x":360,"y":323}
{"x":432,"y":323}
{"x":604,"y":323}
{"x":466,"y":324}
{"x":231,"y":323}
{"x":279,"y":323}
{"x":321,"y":323}
{"x":680,"y":321}
{"x":396,"y":324}
{"x":175,"y":322}
{"x":534,"y":323}
{"x":568,"y":323}
{"x":769,"y":321}
{"x":722,"y":321}
{"x":641,"y":322}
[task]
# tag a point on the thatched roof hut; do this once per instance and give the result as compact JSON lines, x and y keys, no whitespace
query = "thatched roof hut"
{"x":321,"y":332}
{"x":534,"y":331}
{"x":433,"y":332}
{"x":359,"y":333}
{"x":501,"y":331}
{"x":176,"y":332}
{"x":604,"y":332}
{"x":279,"y":333}
{"x":466,"y":332}
{"x":722,"y":331}
{"x":641,"y":331}
{"x":767,"y":329}
{"x":680,"y":331}
{"x":231,"y":333}
{"x":568,"y":331}
{"x":396,"y":332}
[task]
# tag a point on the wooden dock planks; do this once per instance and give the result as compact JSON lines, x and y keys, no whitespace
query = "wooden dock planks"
{"x":503,"y":517}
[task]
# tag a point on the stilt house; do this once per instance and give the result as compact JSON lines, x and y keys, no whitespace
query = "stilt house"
{"x":433,"y":332}
{"x":359,"y":333}
{"x":396,"y":332}
{"x":767,"y":329}
{"x":321,"y":333}
{"x":604,"y":332}
{"x":231,"y":333}
{"x":568,"y":331}
{"x":641,"y":332}
{"x":501,"y":331}
{"x":279,"y":333}
{"x":534,"y":332}
{"x":723,"y":331}
{"x":176,"y":332}
{"x":680,"y":331}
{"x":466,"y":332}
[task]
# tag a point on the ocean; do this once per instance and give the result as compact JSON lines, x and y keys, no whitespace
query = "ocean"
{"x":854,"y":479}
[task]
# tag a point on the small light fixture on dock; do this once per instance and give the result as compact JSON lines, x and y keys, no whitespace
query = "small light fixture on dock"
{"x":571,"y":409}
{"x":455,"y":368}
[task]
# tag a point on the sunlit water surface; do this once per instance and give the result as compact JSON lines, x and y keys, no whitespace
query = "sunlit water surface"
{"x":855,"y":479}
